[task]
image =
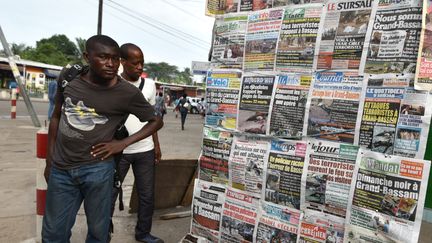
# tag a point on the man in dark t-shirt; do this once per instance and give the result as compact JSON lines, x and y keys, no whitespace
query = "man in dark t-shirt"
{"x":80,"y":166}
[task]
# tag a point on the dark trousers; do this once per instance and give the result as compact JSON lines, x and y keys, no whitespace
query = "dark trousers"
{"x":183,"y":114}
{"x":143,"y":169}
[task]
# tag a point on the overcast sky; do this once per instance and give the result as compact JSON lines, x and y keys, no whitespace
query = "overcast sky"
{"x":27,"y":21}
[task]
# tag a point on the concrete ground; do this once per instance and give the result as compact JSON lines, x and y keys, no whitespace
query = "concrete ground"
{"x":18,"y":180}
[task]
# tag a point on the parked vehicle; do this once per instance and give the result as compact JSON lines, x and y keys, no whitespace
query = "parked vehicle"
{"x":194,"y":104}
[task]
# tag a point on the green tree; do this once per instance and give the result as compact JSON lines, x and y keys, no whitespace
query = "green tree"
{"x":47,"y":53}
{"x":162,"y":71}
{"x":62,"y":44}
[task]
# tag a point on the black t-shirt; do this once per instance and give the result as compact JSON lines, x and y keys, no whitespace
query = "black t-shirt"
{"x":91,"y":115}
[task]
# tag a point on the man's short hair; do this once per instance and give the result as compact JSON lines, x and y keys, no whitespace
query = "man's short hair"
{"x":124,"y":50}
{"x":100,"y":39}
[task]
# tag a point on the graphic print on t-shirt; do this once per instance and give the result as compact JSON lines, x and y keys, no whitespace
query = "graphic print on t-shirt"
{"x":82,"y":117}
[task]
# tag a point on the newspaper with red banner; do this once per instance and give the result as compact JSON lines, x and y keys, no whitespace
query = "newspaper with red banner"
{"x":247,"y":164}
{"x":386,"y":198}
{"x":239,"y":216}
{"x":284,"y":170}
{"x":288,"y":106}
{"x":277,"y":224}
{"x":213,"y":162}
{"x":316,"y":228}
{"x":261,"y":39}
{"x":343,"y":32}
{"x":423,"y":79}
{"x":207,"y":203}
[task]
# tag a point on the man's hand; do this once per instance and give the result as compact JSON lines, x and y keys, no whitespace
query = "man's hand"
{"x":47,"y":171}
{"x":158,"y":154}
{"x":105,"y":150}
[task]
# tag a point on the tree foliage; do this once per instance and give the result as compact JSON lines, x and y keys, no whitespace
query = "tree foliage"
{"x":167,"y":73}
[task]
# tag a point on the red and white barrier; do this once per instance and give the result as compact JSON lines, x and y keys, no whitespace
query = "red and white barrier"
{"x":41,"y":186}
{"x":13,"y":103}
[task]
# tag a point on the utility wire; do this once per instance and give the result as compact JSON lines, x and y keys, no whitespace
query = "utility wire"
{"x":160,"y":23}
{"x":181,"y":9}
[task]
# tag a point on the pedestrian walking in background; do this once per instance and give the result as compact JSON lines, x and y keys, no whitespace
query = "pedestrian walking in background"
{"x":160,"y":105}
{"x":183,"y":107}
{"x":52,"y":89}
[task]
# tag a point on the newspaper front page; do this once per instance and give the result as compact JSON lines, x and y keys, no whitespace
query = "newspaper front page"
{"x":285,"y":165}
{"x":423,"y":79}
{"x":255,"y":97}
{"x":254,"y":5}
{"x":316,"y":228}
{"x":239,"y":216}
{"x":261,"y":39}
{"x":247,"y":164}
{"x":395,"y":119}
{"x":346,"y":26}
{"x":288,"y":106}
{"x":277,"y":224}
{"x":395,"y":38}
{"x":296,"y":46}
{"x":222,"y":96}
{"x":228,"y":44}
{"x":328,"y":177}
{"x":334,"y":105}
{"x":207,"y":203}
{"x":216,"y":149}
{"x":386,"y":198}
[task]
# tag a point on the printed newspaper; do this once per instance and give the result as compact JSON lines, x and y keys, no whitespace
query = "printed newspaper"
{"x":334,"y":105}
{"x":239,"y":216}
{"x":395,"y":119}
{"x":296,"y":46}
{"x":343,"y":33}
{"x":288,"y":106}
{"x":277,"y":224}
{"x":222,"y":96}
{"x":213,"y":162}
{"x":285,"y":163}
{"x":228,"y":44}
{"x":386,"y":198}
{"x":328,"y":176}
{"x":208,"y":199}
{"x":394,"y":41}
{"x":423,"y":79}
{"x":246,"y":164}
{"x":316,"y":228}
{"x":261,"y":39}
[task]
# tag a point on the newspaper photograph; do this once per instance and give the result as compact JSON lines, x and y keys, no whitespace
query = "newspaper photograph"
{"x":261,"y":39}
{"x":387,"y":198}
{"x":247,"y":164}
{"x":277,"y":224}
{"x":341,"y":39}
{"x":281,"y":3}
{"x":232,"y":6}
{"x":296,"y":47}
{"x":254,"y":5}
{"x":239,"y":216}
{"x":222,"y":96}
{"x":395,"y":119}
{"x":215,"y":7}
{"x":228,"y":43}
{"x":395,"y":38}
{"x":288,"y":106}
{"x":334,"y":105}
{"x":316,"y":227}
{"x":423,"y":79}
{"x":215,"y":153}
{"x":328,"y":176}
{"x":255,"y":97}
{"x":285,"y":165}
{"x":207,"y":203}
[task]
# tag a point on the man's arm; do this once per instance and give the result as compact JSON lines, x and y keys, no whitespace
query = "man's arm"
{"x":105,"y":150}
{"x":52,"y":132}
{"x":158,"y":152}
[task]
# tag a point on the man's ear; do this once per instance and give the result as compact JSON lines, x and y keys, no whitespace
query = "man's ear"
{"x":86,"y":57}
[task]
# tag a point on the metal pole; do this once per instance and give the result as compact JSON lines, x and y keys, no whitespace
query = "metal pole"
{"x":19,"y":79}
{"x":99,"y":26}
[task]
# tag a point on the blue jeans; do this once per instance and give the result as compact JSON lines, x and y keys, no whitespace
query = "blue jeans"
{"x":143,"y":166}
{"x":67,"y":189}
